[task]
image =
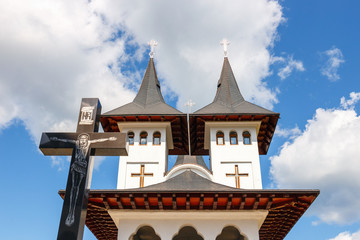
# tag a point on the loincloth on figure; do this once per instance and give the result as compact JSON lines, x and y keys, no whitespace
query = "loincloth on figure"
{"x":79,"y":167}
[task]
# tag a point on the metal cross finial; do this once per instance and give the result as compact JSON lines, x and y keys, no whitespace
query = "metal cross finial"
{"x":225,"y":43}
{"x":152,"y":45}
{"x":189,"y":104}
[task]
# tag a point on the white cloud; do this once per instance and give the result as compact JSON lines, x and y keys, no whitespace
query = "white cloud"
{"x":189,"y":32}
{"x":287,"y":133}
{"x":347,"y":236}
{"x":335,"y":59}
{"x":290,"y":65}
{"x":53,"y":53}
{"x":325,"y":156}
{"x":350,"y":104}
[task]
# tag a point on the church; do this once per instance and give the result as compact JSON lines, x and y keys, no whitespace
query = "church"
{"x":222,"y":200}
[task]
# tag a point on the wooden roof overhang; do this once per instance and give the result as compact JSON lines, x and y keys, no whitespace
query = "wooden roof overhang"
{"x":197,"y":129}
{"x":285,"y":206}
{"x":178,"y":127}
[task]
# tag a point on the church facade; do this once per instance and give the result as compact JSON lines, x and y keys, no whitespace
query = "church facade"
{"x":223,"y":200}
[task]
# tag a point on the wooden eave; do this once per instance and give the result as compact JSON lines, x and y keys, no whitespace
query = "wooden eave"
{"x":285,"y":206}
{"x":266,"y":131}
{"x":178,"y":128}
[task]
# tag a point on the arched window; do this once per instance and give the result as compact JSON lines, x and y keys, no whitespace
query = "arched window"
{"x":246,"y":138}
{"x":130,"y":136}
{"x":220,"y":138}
{"x":188,"y":232}
{"x":233,"y":138}
{"x":156,"y":138}
{"x":143,"y":138}
{"x":230,"y":233}
{"x":145,"y":233}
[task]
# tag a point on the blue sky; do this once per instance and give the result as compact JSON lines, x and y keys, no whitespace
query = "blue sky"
{"x":299,"y":58}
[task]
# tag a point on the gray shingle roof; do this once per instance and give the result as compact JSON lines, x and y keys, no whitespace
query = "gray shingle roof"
{"x":187,"y":181}
{"x":228,"y":98}
{"x":149,"y":100}
{"x":187,"y":159}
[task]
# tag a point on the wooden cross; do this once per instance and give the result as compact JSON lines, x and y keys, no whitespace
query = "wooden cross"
{"x":237,"y":176}
{"x":82,"y":144}
{"x":225,"y":43}
{"x":152,"y":45}
{"x":142,"y":175}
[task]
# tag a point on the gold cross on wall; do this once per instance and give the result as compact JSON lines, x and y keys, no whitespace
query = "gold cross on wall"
{"x":237,"y":176}
{"x":142,"y":175}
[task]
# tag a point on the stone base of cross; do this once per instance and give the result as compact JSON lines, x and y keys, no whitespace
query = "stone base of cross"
{"x":82,"y":144}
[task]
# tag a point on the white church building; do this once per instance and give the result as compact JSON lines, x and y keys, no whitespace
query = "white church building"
{"x":223,"y":200}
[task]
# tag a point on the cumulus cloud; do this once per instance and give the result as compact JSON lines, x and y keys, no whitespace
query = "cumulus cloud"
{"x":189,"y":32}
{"x":334,"y":59}
{"x":287,"y":132}
{"x":53,"y":53}
{"x":289,"y":65}
{"x":325,"y":156}
{"x":347,"y":236}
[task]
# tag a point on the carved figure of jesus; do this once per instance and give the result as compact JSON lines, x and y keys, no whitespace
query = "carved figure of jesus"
{"x":78,"y":168}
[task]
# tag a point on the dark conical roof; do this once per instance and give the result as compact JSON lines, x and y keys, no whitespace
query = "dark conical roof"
{"x":188,"y":159}
{"x":228,"y":98}
{"x":149,"y":100}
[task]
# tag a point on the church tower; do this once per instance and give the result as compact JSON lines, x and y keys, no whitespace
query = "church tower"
{"x":151,"y":126}
{"x":234,"y":133}
{"x":222,"y":201}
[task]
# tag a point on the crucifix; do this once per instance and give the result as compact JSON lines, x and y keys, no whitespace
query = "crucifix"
{"x":82,"y":145}
{"x":225,"y":43}
{"x":152,"y":45}
{"x":237,"y":176}
{"x":142,"y":175}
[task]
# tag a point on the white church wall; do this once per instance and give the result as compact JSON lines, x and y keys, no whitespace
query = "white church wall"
{"x":227,"y":158}
{"x":208,"y":224}
{"x":152,"y":157}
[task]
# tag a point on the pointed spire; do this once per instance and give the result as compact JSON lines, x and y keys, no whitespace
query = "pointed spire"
{"x":149,"y":99}
{"x":149,"y":92}
{"x":228,"y":91}
{"x":228,"y":98}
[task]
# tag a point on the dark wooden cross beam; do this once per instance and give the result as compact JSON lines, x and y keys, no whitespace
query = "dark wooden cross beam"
{"x":82,"y":144}
{"x":142,"y":175}
{"x":237,"y":176}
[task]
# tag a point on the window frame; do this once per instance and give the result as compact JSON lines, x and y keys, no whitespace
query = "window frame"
{"x":157,"y":134}
{"x":233,"y":134}
{"x":246,"y":135}
{"x":143,"y":137}
{"x":133,"y":137}
{"x":220,"y":134}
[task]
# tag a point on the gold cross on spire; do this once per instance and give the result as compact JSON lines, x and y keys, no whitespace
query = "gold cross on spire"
{"x":225,"y":43}
{"x":152,"y":45}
